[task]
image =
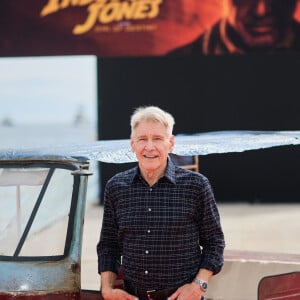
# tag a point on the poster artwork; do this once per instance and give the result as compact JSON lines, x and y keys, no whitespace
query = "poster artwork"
{"x":116,"y":28}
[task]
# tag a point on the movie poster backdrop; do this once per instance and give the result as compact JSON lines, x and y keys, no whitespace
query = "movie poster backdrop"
{"x":113,"y":28}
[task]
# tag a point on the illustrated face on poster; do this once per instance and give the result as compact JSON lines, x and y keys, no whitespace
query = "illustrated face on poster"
{"x":110,"y":28}
{"x":261,"y":23}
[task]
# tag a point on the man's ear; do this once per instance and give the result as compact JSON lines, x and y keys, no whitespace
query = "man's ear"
{"x":172,"y":142}
{"x":132,"y":144}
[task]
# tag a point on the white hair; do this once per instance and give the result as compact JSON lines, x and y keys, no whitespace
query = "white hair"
{"x":154,"y":114}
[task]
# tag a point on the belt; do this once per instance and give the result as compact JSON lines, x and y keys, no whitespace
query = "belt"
{"x":149,"y":294}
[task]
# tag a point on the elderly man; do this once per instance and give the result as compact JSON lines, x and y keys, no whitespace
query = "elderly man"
{"x":252,"y":26}
{"x":161,"y":220}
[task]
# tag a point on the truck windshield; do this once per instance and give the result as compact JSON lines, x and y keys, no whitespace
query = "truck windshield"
{"x":34,"y":208}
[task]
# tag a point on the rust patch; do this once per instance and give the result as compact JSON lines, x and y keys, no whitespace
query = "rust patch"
{"x":49,"y":296}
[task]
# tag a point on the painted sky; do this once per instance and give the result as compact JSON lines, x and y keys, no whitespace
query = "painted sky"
{"x":48,"y":89}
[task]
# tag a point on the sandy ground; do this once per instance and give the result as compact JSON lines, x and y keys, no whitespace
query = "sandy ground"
{"x":251,"y":227}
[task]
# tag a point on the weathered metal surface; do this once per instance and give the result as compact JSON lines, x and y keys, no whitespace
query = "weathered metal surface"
{"x":22,"y":277}
{"x":118,"y":151}
{"x":47,"y":296}
{"x":82,"y":295}
{"x":34,"y":278}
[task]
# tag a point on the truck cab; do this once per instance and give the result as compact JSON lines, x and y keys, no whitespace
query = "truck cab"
{"x":42,"y":205}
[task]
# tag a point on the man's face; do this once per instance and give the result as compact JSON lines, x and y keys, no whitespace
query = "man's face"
{"x":151,"y":145}
{"x":261,"y":23}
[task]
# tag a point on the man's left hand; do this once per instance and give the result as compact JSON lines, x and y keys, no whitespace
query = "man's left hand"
{"x":190,"y":291}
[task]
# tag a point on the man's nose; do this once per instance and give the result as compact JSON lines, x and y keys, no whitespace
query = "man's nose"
{"x":149,"y":144}
{"x":262,"y":7}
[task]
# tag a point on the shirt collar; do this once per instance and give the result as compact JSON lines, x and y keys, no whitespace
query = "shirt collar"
{"x":169,"y":173}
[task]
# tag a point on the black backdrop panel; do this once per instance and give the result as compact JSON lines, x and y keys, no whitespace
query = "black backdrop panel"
{"x":257,"y":92}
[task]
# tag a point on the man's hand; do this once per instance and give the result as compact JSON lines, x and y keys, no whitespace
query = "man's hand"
{"x":190,"y":291}
{"x":117,"y":294}
{"x":108,"y":280}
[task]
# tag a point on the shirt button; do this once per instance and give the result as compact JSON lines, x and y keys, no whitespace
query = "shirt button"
{"x":146,"y":272}
{"x":147,"y":252}
{"x":149,"y":209}
{"x":148,"y":231}
{"x":150,"y":190}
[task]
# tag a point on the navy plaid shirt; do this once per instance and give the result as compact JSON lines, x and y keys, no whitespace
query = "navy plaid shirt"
{"x":164,"y":233}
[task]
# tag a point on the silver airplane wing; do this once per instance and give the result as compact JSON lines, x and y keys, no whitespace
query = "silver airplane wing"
{"x":118,"y":151}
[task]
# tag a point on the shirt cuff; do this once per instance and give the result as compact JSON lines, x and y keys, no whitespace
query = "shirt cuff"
{"x":108,"y":264}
